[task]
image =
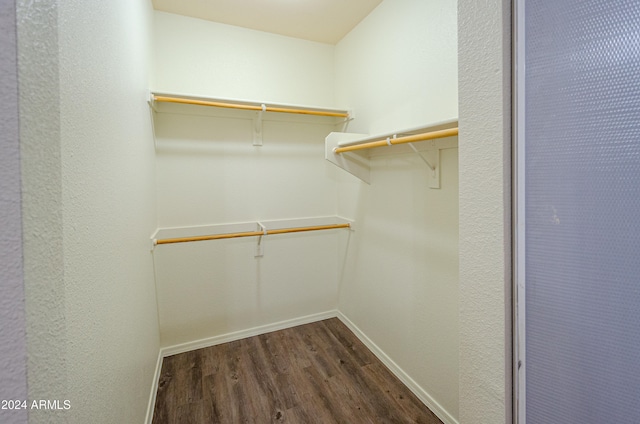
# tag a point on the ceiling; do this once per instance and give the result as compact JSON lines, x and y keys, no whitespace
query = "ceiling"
{"x":325,"y":21}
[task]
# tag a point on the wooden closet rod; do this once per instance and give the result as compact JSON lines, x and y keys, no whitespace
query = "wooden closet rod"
{"x":400,"y":140}
{"x":252,"y":233}
{"x":249,"y":107}
{"x":209,"y":237}
{"x":312,"y":228}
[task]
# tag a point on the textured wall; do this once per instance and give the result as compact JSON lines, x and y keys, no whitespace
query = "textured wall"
{"x":13,"y":372}
{"x":41,"y":205}
{"x":108,"y":206}
{"x":398,"y":69}
{"x":484,"y":103}
{"x":88,"y":181}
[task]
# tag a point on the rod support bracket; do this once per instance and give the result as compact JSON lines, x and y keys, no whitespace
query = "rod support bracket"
{"x":259,"y":245}
{"x":153,"y":240}
{"x":433,"y":158}
{"x":257,"y":127}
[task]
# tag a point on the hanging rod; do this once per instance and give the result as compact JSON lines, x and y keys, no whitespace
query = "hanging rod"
{"x":262,"y":107}
{"x":251,"y":233}
{"x":209,"y":237}
{"x":399,"y":140}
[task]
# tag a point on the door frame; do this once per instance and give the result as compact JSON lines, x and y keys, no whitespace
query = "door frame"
{"x":518,"y":208}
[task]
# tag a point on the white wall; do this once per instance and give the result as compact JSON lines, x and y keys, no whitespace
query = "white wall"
{"x":209,"y":172}
{"x":398,"y":68}
{"x":13,"y":371}
{"x":485,"y":275}
{"x":89,"y":208}
{"x":194,"y":56}
{"x":399,"y":285}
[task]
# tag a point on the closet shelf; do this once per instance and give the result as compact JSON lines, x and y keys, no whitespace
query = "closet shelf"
{"x":258,"y":111}
{"x":352,"y":152}
{"x":247,"y":229}
{"x":156,"y":99}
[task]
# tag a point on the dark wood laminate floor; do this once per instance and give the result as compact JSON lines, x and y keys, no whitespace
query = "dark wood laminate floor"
{"x":315,"y":373}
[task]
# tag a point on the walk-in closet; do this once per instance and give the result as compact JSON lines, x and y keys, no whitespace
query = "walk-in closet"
{"x":252,"y":132}
{"x":301,"y":205}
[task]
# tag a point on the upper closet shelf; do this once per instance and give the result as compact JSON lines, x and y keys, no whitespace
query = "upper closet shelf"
{"x":352,"y":152}
{"x":158,"y":102}
{"x":161,"y":102}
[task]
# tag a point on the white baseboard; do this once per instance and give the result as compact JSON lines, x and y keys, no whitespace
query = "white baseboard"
{"x":242,"y":334}
{"x":425,"y":397}
{"x":154,"y":390}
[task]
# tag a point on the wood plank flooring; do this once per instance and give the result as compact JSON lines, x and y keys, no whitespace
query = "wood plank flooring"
{"x":315,"y":373}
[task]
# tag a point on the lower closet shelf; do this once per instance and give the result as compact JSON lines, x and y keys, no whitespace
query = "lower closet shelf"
{"x":247,"y":229}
